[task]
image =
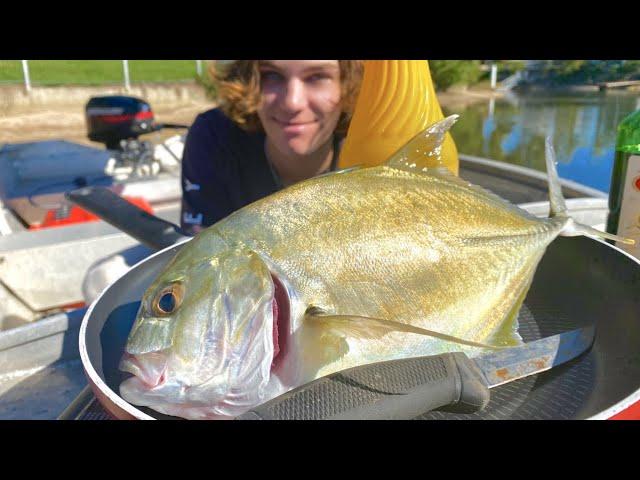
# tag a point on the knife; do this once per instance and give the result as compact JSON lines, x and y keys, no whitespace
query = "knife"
{"x":404,"y":389}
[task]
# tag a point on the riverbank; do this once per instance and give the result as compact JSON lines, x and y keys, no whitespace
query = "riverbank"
{"x":572,"y":89}
{"x":57,"y":113}
{"x":457,"y":99}
{"x":52,"y":113}
{"x":14,"y":99}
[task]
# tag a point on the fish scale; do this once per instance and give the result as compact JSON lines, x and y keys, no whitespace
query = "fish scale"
{"x":389,"y":204}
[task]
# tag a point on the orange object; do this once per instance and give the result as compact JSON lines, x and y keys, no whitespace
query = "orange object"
{"x":397,"y":100}
{"x":66,"y":215}
{"x":73,"y":306}
{"x":632,"y":412}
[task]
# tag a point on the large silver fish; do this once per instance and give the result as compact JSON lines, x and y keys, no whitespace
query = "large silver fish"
{"x":371,"y":264}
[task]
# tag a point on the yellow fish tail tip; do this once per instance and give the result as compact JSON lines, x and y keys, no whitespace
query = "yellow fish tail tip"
{"x":444,"y":125}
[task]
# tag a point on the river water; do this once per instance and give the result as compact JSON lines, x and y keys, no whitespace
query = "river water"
{"x":513,"y":129}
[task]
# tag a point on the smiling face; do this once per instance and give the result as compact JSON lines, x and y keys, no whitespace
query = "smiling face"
{"x":300,"y":104}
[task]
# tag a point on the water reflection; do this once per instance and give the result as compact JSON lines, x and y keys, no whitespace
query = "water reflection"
{"x":513,"y":129}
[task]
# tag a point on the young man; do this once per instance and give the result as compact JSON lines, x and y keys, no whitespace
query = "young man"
{"x":279,"y":122}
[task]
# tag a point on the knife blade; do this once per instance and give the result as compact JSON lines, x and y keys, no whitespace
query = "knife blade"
{"x":404,"y":389}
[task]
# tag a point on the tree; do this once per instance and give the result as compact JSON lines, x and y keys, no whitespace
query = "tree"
{"x":446,"y":73}
{"x":580,"y":72}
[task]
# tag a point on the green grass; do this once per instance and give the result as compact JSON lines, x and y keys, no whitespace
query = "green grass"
{"x":97,"y":72}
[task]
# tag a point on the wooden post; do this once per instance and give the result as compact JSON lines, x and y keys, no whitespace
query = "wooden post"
{"x":25,"y":72}
{"x":125,"y":68}
{"x":199,"y":67}
{"x":494,"y":75}
{"x":5,"y":229}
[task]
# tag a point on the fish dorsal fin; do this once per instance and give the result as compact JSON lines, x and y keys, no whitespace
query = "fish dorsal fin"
{"x":424,"y":151}
{"x":356,"y":326}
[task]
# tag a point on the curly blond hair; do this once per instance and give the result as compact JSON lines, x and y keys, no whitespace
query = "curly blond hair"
{"x":238,"y":84}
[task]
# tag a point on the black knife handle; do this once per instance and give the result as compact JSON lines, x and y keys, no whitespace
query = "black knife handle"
{"x":393,"y":390}
{"x":131,"y":219}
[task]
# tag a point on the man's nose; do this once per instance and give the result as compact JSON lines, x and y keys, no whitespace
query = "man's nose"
{"x":295,"y":97}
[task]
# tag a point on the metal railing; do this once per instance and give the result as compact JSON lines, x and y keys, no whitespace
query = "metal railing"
{"x":105,"y":72}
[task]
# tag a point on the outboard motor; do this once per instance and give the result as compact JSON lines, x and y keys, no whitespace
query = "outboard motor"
{"x":117,"y":121}
{"x":113,"y":118}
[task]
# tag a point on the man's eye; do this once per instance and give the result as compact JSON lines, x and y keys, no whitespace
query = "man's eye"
{"x":319,"y":77}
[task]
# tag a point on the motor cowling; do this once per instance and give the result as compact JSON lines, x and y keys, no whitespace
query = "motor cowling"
{"x":113,"y":118}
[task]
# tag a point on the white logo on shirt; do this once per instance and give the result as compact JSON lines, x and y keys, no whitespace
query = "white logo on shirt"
{"x":188,"y":186}
{"x":191,"y":219}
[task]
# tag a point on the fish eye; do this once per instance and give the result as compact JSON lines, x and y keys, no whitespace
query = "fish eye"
{"x":168,"y":300}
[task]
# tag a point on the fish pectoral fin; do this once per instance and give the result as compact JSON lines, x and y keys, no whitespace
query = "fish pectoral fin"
{"x":423,"y":151}
{"x":355,"y":326}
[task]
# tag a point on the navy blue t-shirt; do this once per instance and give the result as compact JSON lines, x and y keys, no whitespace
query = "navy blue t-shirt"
{"x":224,"y":168}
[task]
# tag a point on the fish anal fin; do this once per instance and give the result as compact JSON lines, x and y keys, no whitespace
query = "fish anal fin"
{"x":557,"y":205}
{"x":424,"y":150}
{"x":360,"y":327}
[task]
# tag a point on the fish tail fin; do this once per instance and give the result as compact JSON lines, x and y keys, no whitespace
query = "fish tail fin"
{"x":558,"y":207}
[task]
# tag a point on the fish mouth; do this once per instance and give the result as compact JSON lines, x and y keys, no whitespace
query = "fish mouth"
{"x":281,"y":321}
{"x":151,"y":371}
